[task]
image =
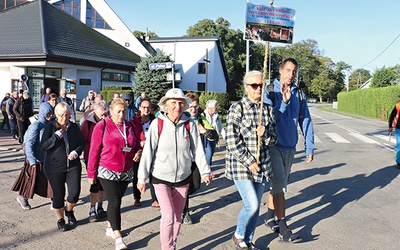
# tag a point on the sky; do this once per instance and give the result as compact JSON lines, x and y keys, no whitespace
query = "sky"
{"x":362,"y":33}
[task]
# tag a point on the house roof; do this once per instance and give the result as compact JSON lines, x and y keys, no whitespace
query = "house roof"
{"x":197,"y":39}
{"x":40,"y":31}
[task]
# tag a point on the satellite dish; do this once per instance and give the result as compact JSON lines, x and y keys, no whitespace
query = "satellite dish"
{"x":24,"y":77}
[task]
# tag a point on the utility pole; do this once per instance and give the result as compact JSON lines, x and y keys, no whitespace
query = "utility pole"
{"x":207,"y":61}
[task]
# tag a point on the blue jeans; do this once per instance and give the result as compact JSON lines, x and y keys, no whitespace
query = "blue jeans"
{"x":397,"y":145}
{"x":209,"y":147}
{"x":13,"y":126}
{"x":251,"y":193}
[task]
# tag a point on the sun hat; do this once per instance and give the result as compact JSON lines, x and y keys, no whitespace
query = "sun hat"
{"x":176,"y":94}
{"x":127,"y":96}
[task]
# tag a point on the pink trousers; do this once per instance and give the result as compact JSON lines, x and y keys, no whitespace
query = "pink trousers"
{"x":172,"y":202}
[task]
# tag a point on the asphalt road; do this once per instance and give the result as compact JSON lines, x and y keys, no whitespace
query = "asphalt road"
{"x":347,"y":198}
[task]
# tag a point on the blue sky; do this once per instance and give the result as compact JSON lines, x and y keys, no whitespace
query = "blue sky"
{"x":353,"y":31}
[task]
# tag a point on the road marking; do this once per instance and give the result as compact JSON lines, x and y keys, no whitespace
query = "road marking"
{"x":337,"y":138}
{"x":316,"y":139}
{"x":363,"y":138}
{"x":386,"y":138}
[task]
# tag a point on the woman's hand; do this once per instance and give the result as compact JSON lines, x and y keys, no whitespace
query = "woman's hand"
{"x":260,"y":130}
{"x":91,"y":181}
{"x":201,"y":129}
{"x":254,"y":168}
{"x":141,"y":187}
{"x":137,"y":156}
{"x":207,"y":179}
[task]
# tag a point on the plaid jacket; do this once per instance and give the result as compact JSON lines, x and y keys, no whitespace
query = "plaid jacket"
{"x":241,"y":140}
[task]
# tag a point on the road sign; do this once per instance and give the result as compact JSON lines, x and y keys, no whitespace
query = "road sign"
{"x":156,"y":66}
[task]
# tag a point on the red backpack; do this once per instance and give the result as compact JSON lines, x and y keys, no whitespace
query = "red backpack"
{"x":161,"y":125}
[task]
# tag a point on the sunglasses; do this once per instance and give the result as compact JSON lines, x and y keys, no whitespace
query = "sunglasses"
{"x":255,"y":86}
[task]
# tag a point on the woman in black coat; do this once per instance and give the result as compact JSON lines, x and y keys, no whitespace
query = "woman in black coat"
{"x":63,"y":143}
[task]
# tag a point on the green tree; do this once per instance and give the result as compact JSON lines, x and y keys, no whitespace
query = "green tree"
{"x":358,"y":77}
{"x":141,"y":34}
{"x":153,"y":82}
{"x":384,"y":77}
{"x":233,"y":45}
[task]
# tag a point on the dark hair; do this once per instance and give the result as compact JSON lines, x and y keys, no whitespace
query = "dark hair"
{"x":192,"y":96}
{"x":53,"y":96}
{"x":292,"y":60}
{"x":144,"y":99}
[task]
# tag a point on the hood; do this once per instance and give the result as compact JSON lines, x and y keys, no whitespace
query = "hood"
{"x":44,"y":109}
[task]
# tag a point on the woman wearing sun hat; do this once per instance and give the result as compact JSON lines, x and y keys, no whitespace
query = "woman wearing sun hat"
{"x":172,"y":140}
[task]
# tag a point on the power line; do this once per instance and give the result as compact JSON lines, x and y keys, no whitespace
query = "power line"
{"x":382,"y":51}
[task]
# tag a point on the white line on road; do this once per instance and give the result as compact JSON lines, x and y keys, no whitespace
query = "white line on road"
{"x":363,"y":138}
{"x":337,"y":138}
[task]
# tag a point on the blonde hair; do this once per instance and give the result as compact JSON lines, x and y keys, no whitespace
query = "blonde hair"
{"x":118,"y":101}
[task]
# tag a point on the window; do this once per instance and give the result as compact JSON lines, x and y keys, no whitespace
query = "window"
{"x":201,"y":68}
{"x":85,"y":82}
{"x":94,"y":19}
{"x":119,"y":77}
{"x":4,"y":4}
{"x":201,"y":86}
{"x":72,"y":7}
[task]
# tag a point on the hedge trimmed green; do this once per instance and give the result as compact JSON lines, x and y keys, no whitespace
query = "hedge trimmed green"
{"x":369,"y":102}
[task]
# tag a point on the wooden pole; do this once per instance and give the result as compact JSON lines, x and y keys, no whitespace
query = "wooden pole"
{"x":265,"y":70}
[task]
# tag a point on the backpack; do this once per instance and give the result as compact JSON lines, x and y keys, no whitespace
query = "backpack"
{"x":161,"y":125}
{"x":396,"y":118}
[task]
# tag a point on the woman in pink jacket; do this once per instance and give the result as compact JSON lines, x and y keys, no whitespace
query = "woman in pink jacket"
{"x":113,"y":149}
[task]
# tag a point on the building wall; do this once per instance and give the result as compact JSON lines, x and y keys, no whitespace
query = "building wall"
{"x":187,"y":55}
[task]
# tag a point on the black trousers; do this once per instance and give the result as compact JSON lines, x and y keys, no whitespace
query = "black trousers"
{"x":57,"y":183}
{"x":193,"y":186}
{"x":136,"y":193}
{"x":114,"y":191}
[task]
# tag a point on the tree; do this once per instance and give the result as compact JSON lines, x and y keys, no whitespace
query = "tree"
{"x":153,"y":82}
{"x":358,"y":77}
{"x":141,"y":34}
{"x":384,"y":77}
{"x":233,"y":45}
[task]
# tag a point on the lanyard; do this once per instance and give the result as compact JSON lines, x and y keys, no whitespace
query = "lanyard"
{"x":123,"y":134}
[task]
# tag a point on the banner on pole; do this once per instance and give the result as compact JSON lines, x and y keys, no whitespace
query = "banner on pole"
{"x":269,"y":23}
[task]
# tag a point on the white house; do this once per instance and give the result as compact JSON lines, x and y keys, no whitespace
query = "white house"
{"x":200,"y":61}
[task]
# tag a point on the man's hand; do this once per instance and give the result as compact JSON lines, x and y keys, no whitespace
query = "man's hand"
{"x":286,"y":94}
{"x":309,"y":158}
{"x":260,"y":130}
{"x":254,"y":168}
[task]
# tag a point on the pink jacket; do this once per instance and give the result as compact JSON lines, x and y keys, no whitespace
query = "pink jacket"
{"x":106,"y":150}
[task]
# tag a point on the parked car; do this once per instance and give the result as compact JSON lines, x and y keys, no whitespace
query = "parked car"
{"x":312,"y":100}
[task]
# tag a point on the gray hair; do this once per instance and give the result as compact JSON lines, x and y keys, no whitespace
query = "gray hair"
{"x":249,"y":75}
{"x":100,"y":105}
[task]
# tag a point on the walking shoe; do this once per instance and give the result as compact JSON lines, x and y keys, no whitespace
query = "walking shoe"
{"x":101,"y":213}
{"x":155,"y":204}
{"x":120,"y":244}
{"x":61,"y":225}
{"x":239,"y":243}
{"x":110,"y":232}
{"x":92,"y":216}
{"x":186,"y":219}
{"x":398,"y":166}
{"x":136,"y":203}
{"x":71,"y":217}
{"x":23,"y":202}
{"x":14,"y":137}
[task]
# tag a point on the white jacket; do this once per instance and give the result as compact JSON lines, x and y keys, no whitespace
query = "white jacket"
{"x":168,"y":158}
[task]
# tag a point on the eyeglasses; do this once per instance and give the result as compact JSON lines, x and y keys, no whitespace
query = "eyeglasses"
{"x":193,"y":107}
{"x":255,"y":85}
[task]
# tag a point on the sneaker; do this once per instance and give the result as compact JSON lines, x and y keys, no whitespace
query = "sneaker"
{"x":119,"y":245}
{"x":101,"y":213}
{"x":23,"y":202}
{"x":14,"y":137}
{"x":51,"y":206}
{"x":92,"y":216}
{"x":61,"y":225}
{"x":136,"y":203}
{"x":110,"y":232}
{"x":239,"y":243}
{"x":71,"y":217}
{"x":187,"y":220}
{"x":155,"y":204}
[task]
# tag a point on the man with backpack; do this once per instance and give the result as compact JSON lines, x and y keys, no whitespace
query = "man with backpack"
{"x":290,"y":110}
{"x":393,"y":123}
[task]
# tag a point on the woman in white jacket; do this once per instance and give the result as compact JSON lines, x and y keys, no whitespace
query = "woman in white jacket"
{"x":172,"y":139}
